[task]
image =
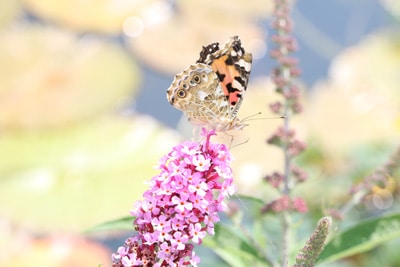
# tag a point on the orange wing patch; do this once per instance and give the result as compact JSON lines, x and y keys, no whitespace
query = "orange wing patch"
{"x":226,"y":73}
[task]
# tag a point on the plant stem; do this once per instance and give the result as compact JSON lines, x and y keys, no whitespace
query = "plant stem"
{"x":285,"y":238}
{"x":286,"y":175}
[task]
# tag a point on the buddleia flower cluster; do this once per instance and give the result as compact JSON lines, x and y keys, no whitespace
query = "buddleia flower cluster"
{"x":181,"y":206}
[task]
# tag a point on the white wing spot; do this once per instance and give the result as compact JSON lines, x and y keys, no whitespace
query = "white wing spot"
{"x":202,"y":95}
{"x":237,"y":85}
{"x":245,"y":65}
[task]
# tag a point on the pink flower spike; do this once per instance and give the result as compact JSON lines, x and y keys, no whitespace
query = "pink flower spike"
{"x":195,"y":260}
{"x":199,"y":189}
{"x":187,"y":150}
{"x":197,"y":233}
{"x":180,"y":207}
{"x":208,"y":135}
{"x":181,"y":203}
{"x":202,"y":164}
{"x":161,"y":223}
{"x":178,"y":241}
{"x":165,"y":250}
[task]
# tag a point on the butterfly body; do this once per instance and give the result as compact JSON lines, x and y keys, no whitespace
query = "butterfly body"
{"x":211,"y":91}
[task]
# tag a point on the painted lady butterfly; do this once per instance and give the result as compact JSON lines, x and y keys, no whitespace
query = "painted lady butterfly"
{"x":211,"y":91}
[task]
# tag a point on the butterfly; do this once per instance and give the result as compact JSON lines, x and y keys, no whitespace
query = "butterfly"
{"x":211,"y":91}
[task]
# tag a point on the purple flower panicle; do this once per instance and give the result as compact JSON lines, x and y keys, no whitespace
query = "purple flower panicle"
{"x":180,"y":207}
{"x":285,"y":203}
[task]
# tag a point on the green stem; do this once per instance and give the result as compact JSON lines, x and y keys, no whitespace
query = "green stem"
{"x":285,"y":238}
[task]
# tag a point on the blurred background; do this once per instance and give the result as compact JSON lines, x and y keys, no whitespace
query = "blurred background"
{"x":84,"y":116}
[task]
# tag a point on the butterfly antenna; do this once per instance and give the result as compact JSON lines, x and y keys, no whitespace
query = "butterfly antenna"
{"x":241,"y":143}
{"x":251,"y":117}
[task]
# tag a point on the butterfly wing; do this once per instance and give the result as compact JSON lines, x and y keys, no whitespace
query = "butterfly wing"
{"x":232,"y":65}
{"x":198,"y":93}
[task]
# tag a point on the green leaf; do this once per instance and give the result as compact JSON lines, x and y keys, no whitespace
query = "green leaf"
{"x":124,"y":223}
{"x":233,"y":248}
{"x":249,"y":205}
{"x":362,"y":237}
{"x":253,"y":200}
